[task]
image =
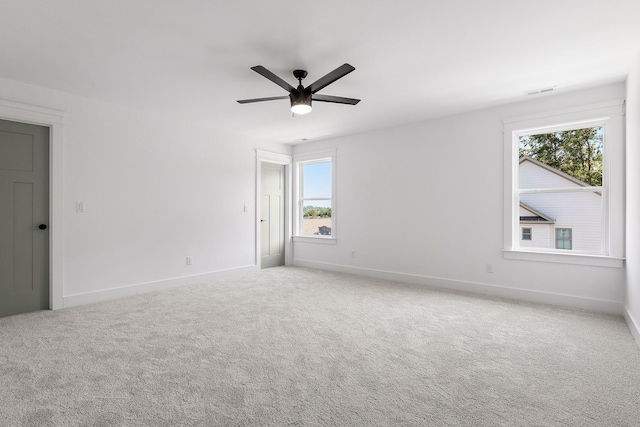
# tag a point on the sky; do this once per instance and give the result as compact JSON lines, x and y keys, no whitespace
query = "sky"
{"x":317,"y":182}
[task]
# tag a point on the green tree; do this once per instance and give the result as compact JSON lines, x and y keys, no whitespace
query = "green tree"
{"x":315,"y":211}
{"x":576,"y":152}
{"x":324,"y":212}
{"x":310,"y":212}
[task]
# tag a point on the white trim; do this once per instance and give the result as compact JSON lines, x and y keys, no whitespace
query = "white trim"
{"x":563,"y":300}
{"x":596,"y":189}
{"x":280,"y":159}
{"x":30,"y":113}
{"x":54,"y":120}
{"x":315,"y":239}
{"x":140,"y":288}
{"x":617,"y":107}
{"x":267,"y":156}
{"x":634,"y":327}
{"x":307,"y":157}
{"x":610,"y":116}
{"x":564,"y":258}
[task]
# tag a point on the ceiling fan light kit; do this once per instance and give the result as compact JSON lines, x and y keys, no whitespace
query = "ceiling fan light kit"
{"x":300,"y":104}
{"x":302,"y":97}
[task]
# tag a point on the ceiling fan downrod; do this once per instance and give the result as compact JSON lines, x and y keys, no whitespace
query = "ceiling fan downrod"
{"x":299,"y":74}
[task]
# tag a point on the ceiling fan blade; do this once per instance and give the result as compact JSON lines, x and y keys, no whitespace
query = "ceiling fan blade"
{"x":335,"y":99}
{"x":247,"y":101}
{"x":277,"y":80}
{"x":339,"y":72}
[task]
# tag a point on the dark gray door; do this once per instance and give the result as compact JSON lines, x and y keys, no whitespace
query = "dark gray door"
{"x":24,"y":218}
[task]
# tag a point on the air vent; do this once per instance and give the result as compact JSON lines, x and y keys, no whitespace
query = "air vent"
{"x":539,"y":91}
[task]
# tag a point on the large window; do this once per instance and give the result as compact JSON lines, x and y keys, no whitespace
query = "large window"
{"x":563,"y":178}
{"x":316,"y":198}
{"x":560,"y":173}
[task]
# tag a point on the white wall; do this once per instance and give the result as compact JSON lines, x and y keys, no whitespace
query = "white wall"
{"x":542,"y":235}
{"x":410,"y":201}
{"x":632,"y":299}
{"x":156,"y":190}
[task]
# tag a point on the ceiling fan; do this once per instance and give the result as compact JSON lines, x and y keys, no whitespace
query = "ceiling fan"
{"x":301,"y":96}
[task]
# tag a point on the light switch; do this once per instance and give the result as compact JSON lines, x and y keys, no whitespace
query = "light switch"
{"x":80,"y":207}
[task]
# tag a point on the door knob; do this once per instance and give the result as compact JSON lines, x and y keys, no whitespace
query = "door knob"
{"x":262,"y":220}
{"x":42,"y":226}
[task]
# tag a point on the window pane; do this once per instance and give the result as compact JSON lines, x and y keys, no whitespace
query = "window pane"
{"x":316,"y":180}
{"x":563,"y":234}
{"x":574,"y":217}
{"x":563,"y":238}
{"x":576,"y":152}
{"x":316,"y":218}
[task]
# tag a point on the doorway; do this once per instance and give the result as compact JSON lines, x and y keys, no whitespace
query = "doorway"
{"x":24,"y":218}
{"x":273,"y":203}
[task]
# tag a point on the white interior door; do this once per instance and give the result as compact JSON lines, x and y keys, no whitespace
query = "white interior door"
{"x":272,"y":215}
{"x":24,"y":218}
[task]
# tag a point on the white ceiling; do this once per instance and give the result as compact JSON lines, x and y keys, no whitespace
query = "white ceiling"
{"x":414,"y":59}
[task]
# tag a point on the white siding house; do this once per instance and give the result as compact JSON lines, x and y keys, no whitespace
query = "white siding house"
{"x":536,"y":229}
{"x":574,"y":217}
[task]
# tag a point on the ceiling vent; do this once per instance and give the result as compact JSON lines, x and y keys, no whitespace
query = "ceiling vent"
{"x":539,"y":91}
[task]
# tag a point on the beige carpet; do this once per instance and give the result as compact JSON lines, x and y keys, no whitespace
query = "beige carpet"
{"x":296,"y":347}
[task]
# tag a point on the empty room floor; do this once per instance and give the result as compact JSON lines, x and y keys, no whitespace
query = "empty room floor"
{"x":295,"y":346}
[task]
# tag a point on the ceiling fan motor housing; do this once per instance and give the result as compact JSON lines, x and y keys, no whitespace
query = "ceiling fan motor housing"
{"x":300,"y":98}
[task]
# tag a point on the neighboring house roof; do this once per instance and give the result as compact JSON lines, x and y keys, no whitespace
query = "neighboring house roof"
{"x":536,"y":216}
{"x":553,"y":170}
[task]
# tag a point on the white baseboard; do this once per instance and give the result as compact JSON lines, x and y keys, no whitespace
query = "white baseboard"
{"x":634,"y":327}
{"x":126,"y":291}
{"x":602,"y":306}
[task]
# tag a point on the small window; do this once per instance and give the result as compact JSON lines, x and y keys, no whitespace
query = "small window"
{"x":526,"y":233}
{"x":563,"y":238}
{"x":316,"y":210}
{"x":316,"y":198}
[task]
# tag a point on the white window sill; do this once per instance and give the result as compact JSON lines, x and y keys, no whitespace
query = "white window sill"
{"x":309,"y":239}
{"x":564,"y":258}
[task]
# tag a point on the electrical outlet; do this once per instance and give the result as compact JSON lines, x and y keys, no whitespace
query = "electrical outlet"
{"x":189,"y":260}
{"x":353,"y":254}
{"x":488,"y":268}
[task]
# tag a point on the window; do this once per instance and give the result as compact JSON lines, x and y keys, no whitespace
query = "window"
{"x":559,"y":180}
{"x":563,"y":238}
{"x":560,"y":186}
{"x":316,"y":196}
{"x":315,"y":201}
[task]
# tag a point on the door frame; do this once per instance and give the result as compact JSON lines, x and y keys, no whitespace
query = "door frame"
{"x":287,"y":161}
{"x":54,"y":120}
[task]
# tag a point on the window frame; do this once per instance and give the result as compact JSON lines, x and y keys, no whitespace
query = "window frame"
{"x":609,"y":115}
{"x":570,"y":239}
{"x":603,"y":123}
{"x":300,"y":160}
